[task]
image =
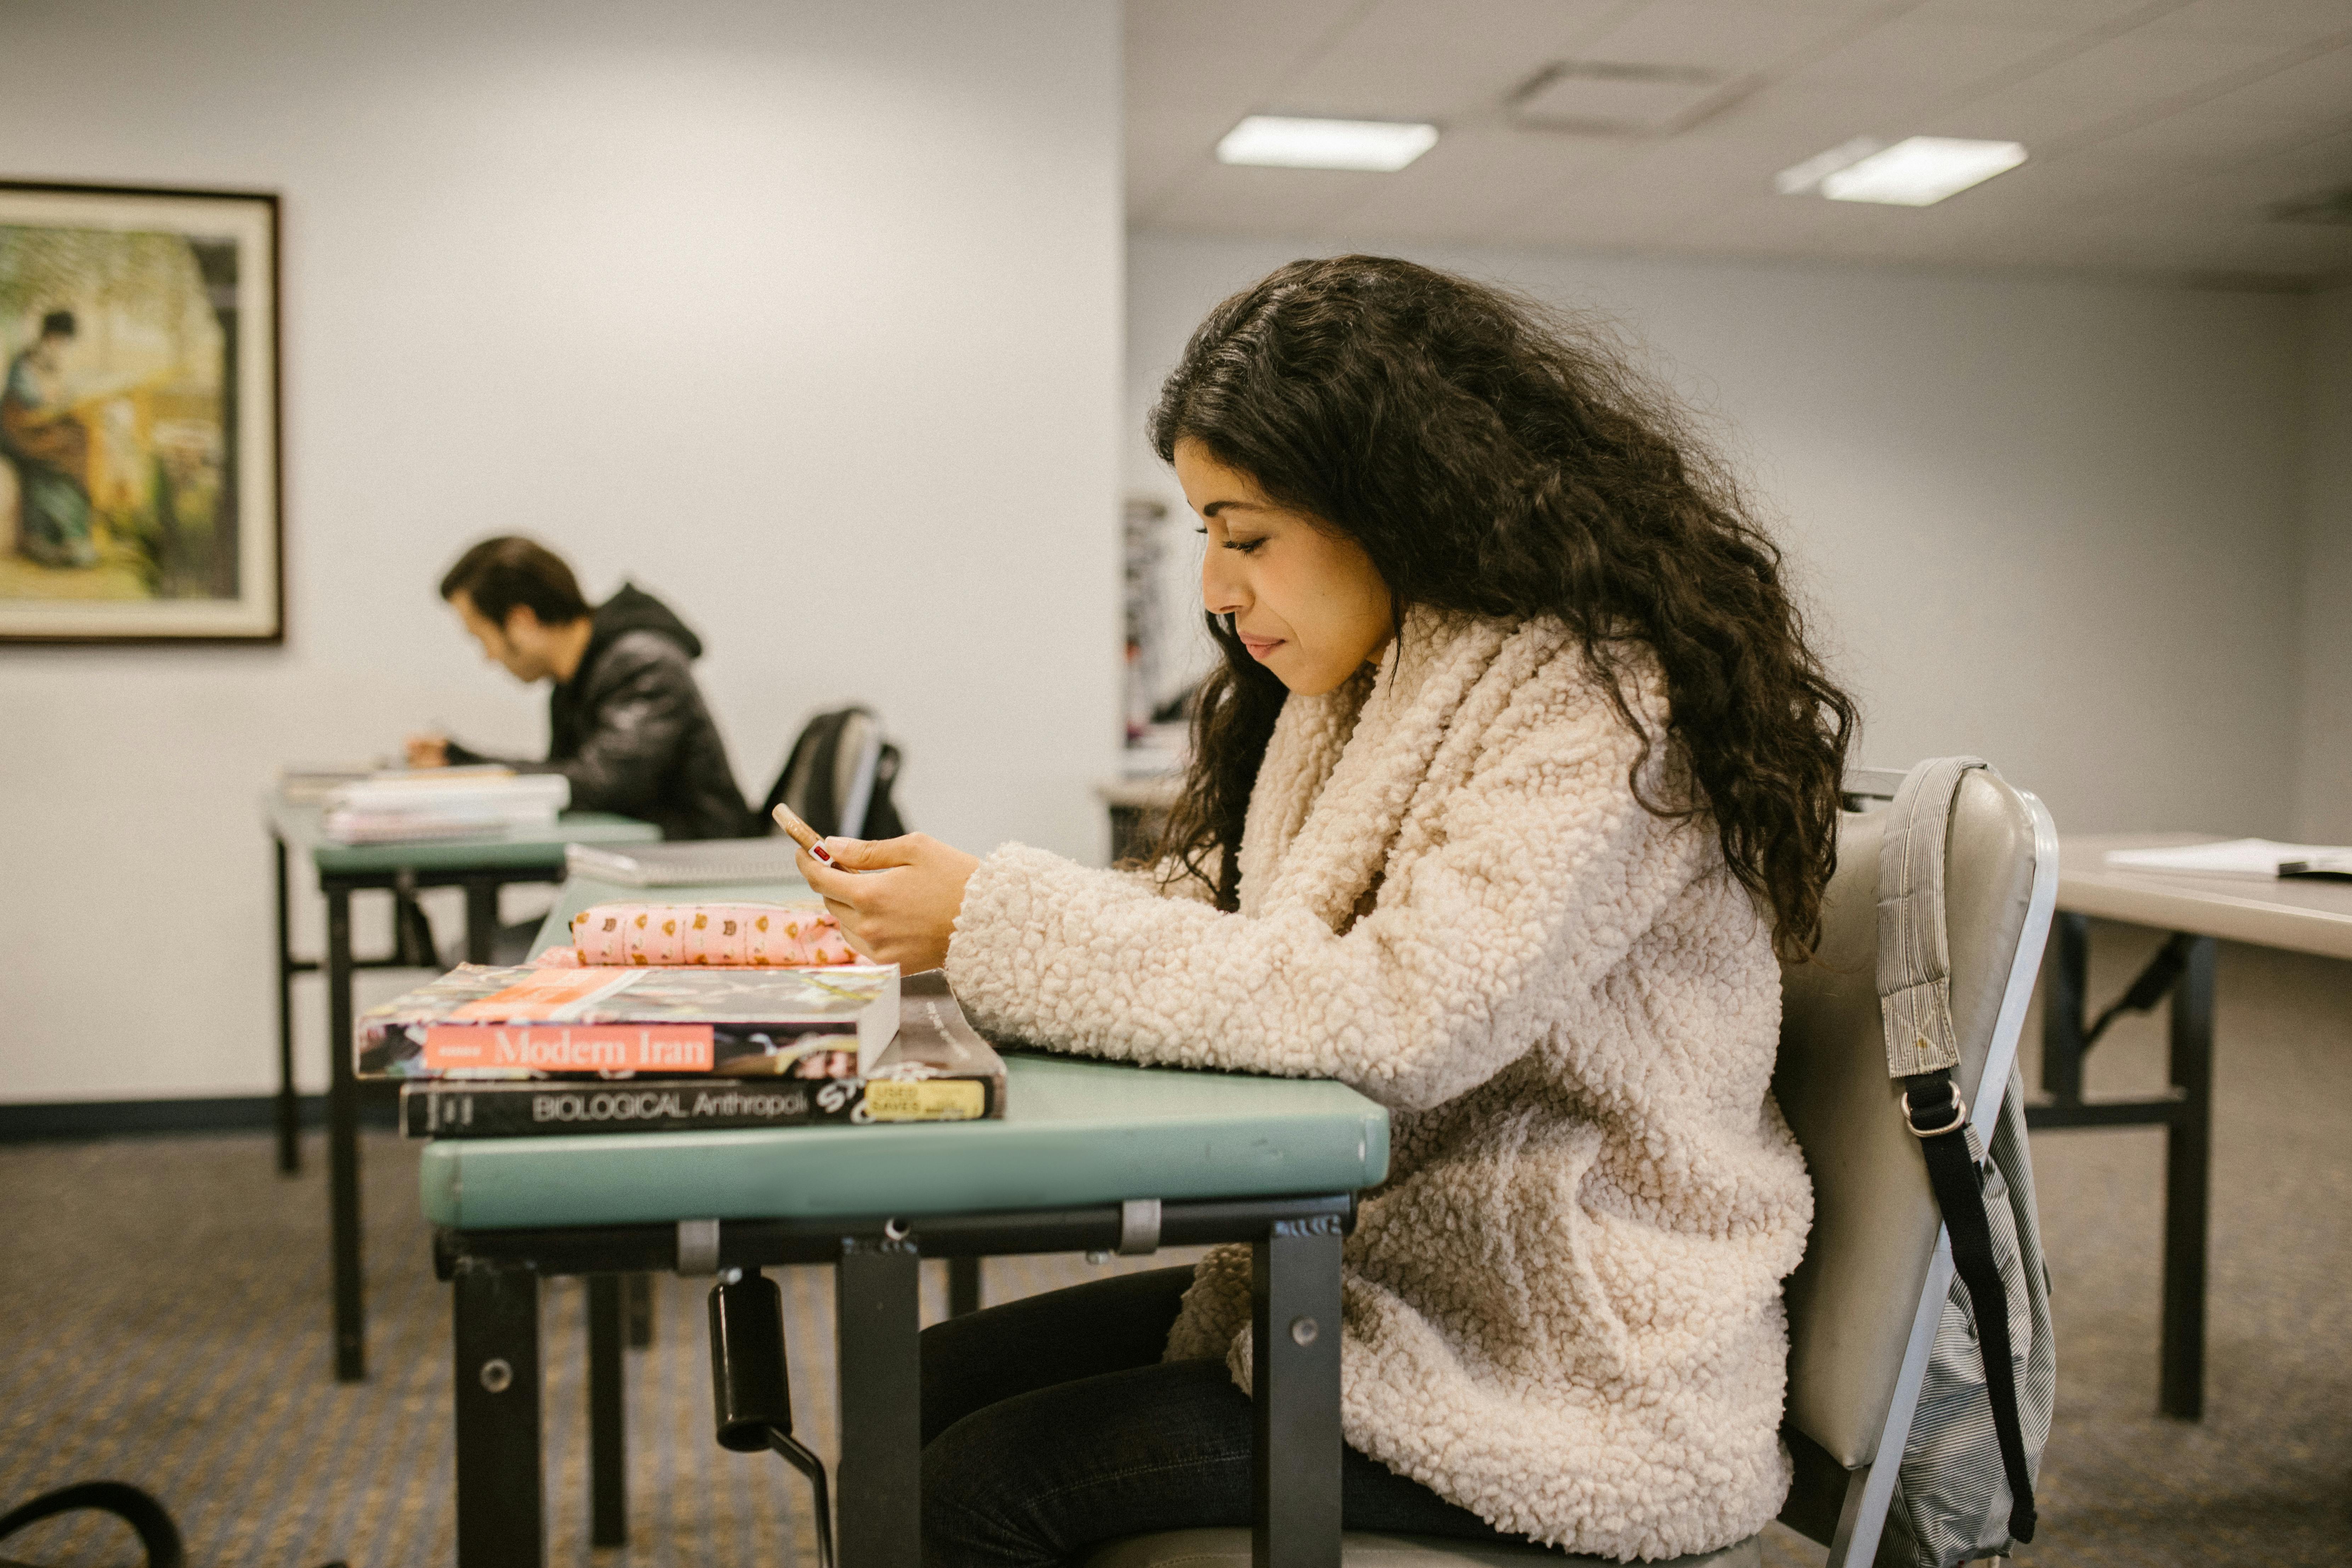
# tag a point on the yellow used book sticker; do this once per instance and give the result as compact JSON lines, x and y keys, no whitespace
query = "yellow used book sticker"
{"x":933,"y":1100}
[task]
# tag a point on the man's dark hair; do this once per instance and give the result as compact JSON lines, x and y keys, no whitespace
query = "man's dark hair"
{"x":59,"y":324}
{"x":500,"y":573}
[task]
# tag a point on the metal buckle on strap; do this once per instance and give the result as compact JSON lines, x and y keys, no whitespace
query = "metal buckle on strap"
{"x":1959,"y":1118}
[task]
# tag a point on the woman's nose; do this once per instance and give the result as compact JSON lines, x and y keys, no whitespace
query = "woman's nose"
{"x":1221,"y":587}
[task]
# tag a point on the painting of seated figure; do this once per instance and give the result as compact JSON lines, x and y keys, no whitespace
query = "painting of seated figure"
{"x":139,"y":421}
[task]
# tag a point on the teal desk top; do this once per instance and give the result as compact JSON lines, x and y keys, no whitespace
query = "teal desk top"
{"x":1077,"y":1131}
{"x":299,"y":826}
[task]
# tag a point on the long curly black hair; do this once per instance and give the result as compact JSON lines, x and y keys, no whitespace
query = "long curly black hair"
{"x":1495,"y":456}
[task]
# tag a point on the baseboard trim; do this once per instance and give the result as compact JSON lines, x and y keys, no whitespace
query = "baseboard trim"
{"x":41,"y":1120}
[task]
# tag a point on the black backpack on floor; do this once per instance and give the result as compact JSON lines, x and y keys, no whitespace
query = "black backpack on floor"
{"x":157,"y":1534}
{"x":156,"y":1531}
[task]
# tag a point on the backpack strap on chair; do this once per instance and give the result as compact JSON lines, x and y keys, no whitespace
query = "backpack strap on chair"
{"x":1915,"y":1000}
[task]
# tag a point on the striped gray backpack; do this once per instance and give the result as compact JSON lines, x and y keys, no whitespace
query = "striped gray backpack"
{"x":1965,"y":1489}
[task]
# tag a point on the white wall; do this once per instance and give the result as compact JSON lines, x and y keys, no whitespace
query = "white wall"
{"x":2054,"y":523}
{"x":806,"y":316}
{"x":2323,"y":774}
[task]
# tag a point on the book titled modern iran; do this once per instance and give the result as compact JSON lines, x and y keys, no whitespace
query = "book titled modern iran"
{"x":479,"y":1022}
{"x":937,"y":1069}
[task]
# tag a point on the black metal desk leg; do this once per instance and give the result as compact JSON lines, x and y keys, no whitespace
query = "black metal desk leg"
{"x":1294,"y":1395}
{"x":289,"y":1108}
{"x":501,"y":1502}
{"x":343,"y":1146}
{"x":482,"y":919}
{"x":2188,"y":1178}
{"x":2064,"y":979}
{"x":878,"y":1314}
{"x":638,"y":1307}
{"x":608,"y":1480}
{"x":964,"y":1286}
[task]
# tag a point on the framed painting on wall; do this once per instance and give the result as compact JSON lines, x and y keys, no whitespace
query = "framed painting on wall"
{"x":139,"y":421}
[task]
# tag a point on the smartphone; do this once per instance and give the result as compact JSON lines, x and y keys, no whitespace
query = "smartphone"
{"x":802,"y":834}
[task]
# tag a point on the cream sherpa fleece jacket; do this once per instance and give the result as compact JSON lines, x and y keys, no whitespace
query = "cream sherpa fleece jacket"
{"x":1564,"y":1306}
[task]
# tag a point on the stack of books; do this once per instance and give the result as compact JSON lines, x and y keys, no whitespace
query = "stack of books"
{"x":443,"y":802}
{"x":505,"y":1053}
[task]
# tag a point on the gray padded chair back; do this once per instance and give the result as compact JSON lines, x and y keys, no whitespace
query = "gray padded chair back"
{"x":1863,"y":1304}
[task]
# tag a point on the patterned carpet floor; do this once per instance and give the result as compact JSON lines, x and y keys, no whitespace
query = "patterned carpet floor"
{"x":163,"y":1314}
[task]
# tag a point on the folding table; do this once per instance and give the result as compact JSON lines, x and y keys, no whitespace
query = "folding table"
{"x":1090,"y":1155}
{"x":481,"y":866}
{"x":2314,"y":917}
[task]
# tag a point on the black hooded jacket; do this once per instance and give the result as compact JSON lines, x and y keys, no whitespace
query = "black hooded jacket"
{"x":630,"y":730}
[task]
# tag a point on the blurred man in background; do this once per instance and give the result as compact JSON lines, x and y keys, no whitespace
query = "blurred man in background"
{"x":627,"y":723}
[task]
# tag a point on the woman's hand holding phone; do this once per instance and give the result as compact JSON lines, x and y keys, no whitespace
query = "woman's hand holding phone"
{"x":896,"y":899}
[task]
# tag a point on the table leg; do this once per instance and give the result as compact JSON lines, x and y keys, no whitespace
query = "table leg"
{"x":964,"y":1286}
{"x":877,"y":1316}
{"x":343,"y":1146}
{"x":482,"y":919}
{"x":1294,"y":1395}
{"x":608,"y":1481}
{"x":2064,"y":979}
{"x":290,"y":1108}
{"x":2188,"y":1174}
{"x":501,"y":1502}
{"x":638,"y":1307}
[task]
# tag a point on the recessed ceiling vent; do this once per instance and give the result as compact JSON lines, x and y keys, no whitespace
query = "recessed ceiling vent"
{"x":2329,"y":206}
{"x":1612,"y":98}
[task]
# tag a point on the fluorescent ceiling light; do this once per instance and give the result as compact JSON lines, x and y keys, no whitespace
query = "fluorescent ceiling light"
{"x":1805,"y":178}
{"x":1381,"y":146}
{"x":1916,"y":172}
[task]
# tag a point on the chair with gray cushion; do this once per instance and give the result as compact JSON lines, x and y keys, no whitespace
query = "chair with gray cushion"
{"x":1864,"y":1303}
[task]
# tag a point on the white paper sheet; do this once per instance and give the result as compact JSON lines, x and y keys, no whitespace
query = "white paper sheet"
{"x":2231,"y":857}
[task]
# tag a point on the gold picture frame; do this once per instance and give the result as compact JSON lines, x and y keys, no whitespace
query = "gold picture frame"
{"x":140,"y":479}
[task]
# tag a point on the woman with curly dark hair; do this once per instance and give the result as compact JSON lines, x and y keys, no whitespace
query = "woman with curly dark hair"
{"x":1518,"y":775}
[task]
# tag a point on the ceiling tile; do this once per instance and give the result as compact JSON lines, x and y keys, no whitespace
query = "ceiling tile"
{"x":1737,"y":38}
{"x":2043,"y":121}
{"x":1473,"y":177}
{"x":1601,"y":215}
{"x":2310,"y":169}
{"x":2257,"y":21}
{"x":2319,"y":89}
{"x":2057,"y":15}
{"x":2137,"y":69}
{"x":1247,"y":26}
{"x":2205,"y":137}
{"x":1925,"y":58}
{"x":1440,"y":58}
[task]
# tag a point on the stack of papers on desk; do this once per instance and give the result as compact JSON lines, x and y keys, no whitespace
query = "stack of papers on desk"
{"x":310,"y":784}
{"x":2241,"y":858}
{"x":444,"y":803}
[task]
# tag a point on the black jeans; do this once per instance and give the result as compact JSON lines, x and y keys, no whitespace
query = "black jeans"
{"x":1051,"y":1425}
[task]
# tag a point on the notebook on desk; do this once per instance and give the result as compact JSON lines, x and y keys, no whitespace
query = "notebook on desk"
{"x":696,"y":863}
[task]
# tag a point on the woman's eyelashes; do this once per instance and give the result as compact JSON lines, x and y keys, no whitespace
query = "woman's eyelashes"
{"x":1245,"y":546}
